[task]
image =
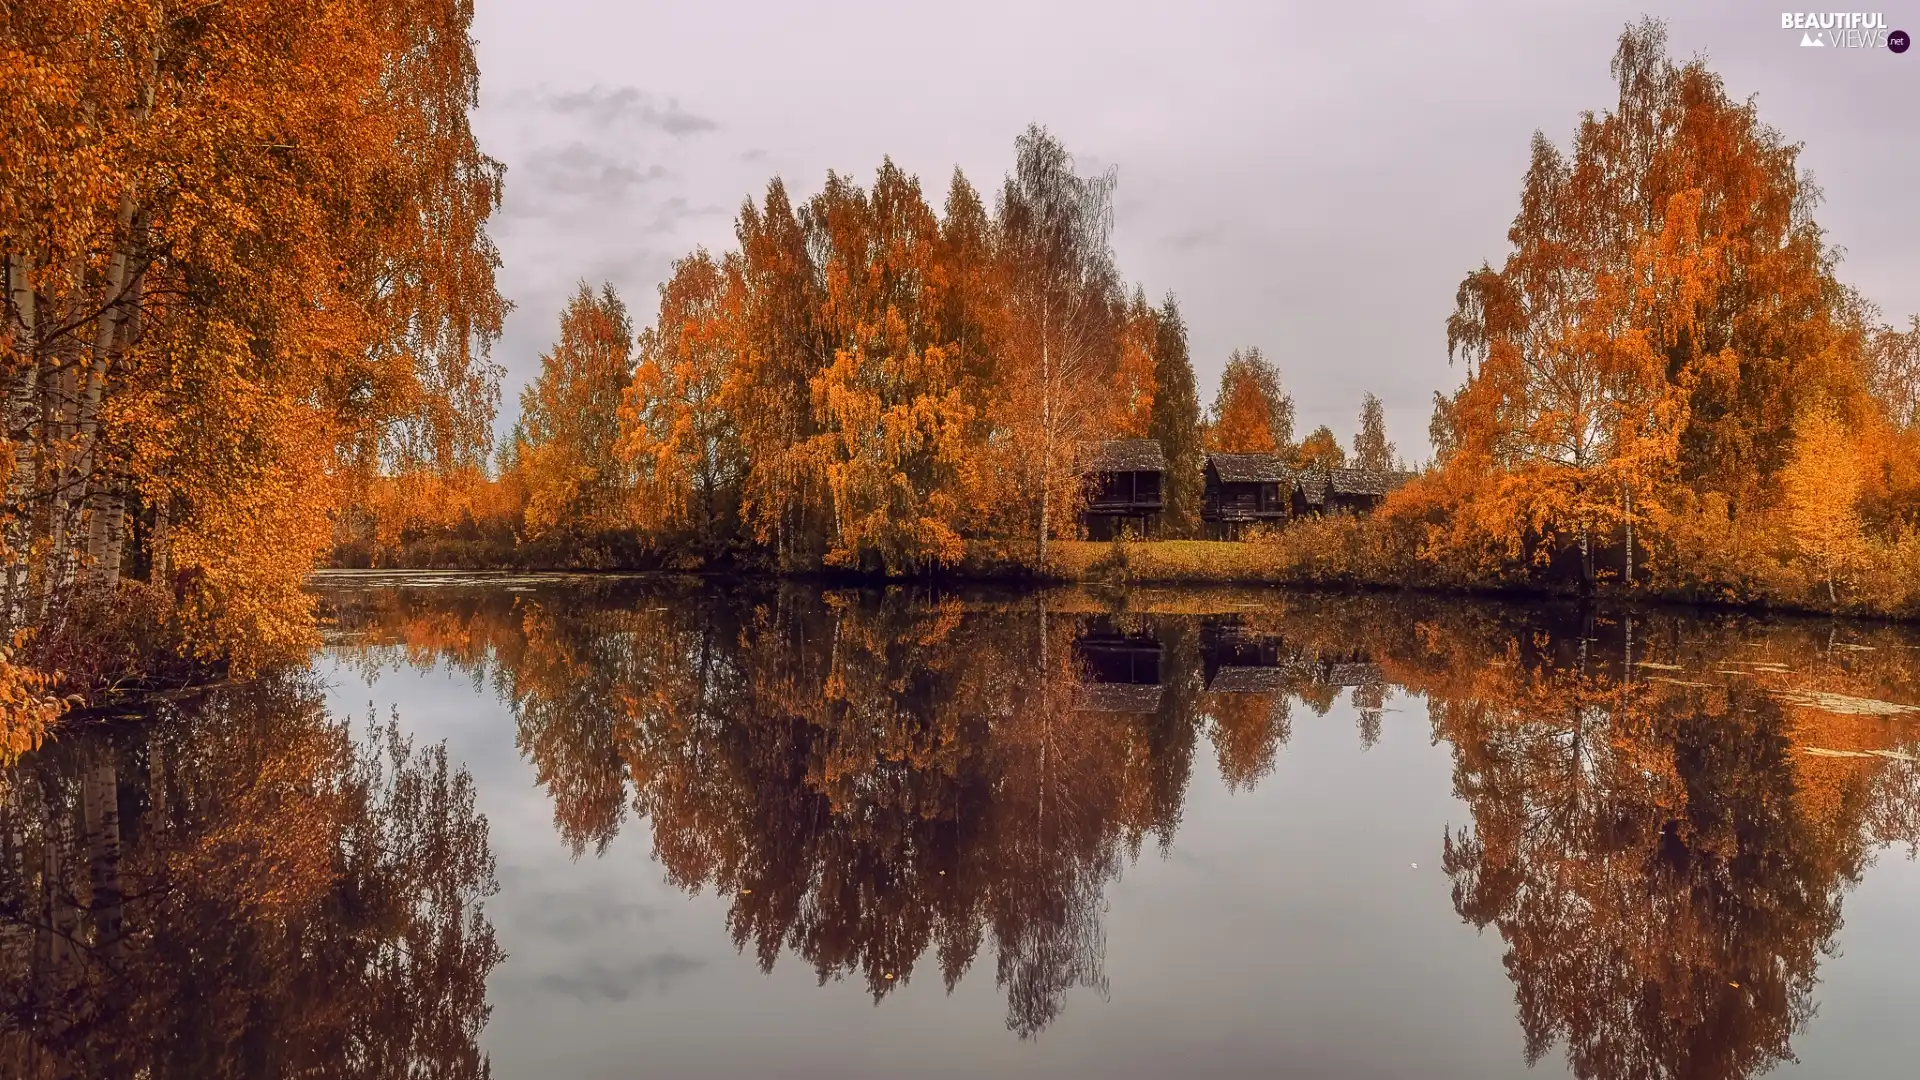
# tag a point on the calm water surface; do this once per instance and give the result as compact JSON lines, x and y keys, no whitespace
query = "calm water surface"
{"x":600,"y":828}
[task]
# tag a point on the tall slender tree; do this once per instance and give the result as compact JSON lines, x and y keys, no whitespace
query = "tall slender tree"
{"x":1320,"y":450}
{"x":1371,"y":450}
{"x":781,"y":345}
{"x":1136,"y":382}
{"x":676,"y":435}
{"x":1251,"y":412}
{"x":1061,"y":301}
{"x":1175,"y":423}
{"x":1820,"y":488}
{"x":570,"y":416}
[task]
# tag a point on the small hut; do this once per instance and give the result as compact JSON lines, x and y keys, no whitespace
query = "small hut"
{"x":1242,"y":490}
{"x":1126,"y":485}
{"x":1310,"y":492}
{"x":1355,"y":491}
{"x":1360,"y":490}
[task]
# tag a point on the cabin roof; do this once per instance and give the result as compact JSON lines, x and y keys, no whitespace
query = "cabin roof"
{"x":1250,"y":468}
{"x":1126,"y":455}
{"x":1366,"y":481}
{"x":1120,"y":698}
{"x":1248,"y":680}
{"x":1313,"y":486}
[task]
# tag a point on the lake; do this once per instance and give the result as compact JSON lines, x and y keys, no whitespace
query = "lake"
{"x":573,"y":826}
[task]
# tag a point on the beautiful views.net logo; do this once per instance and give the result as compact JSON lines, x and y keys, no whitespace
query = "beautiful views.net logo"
{"x":1845,"y":30}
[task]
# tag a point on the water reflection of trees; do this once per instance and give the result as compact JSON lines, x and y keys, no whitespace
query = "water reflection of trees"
{"x":1660,"y":827}
{"x":225,"y":890}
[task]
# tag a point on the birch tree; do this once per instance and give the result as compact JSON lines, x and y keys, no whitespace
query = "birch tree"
{"x":1061,"y":301}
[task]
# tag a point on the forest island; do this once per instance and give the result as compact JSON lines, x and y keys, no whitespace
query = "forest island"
{"x":250,"y":298}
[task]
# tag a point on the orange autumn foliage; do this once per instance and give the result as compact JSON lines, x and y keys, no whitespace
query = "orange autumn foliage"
{"x":245,"y":267}
{"x":1251,"y":414}
{"x":1636,"y":368}
{"x":868,"y":384}
{"x":566,"y":440}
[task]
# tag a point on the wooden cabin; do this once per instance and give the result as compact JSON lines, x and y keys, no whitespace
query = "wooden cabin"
{"x":1243,"y":490}
{"x":1309,"y":496}
{"x":1126,"y":486}
{"x":1353,"y":491}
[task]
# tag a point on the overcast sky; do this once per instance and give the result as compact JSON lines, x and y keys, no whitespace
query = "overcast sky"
{"x":1313,"y":179}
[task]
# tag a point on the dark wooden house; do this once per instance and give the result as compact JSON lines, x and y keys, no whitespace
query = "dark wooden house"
{"x":1243,"y":490}
{"x":1353,"y":491}
{"x":1126,"y":486}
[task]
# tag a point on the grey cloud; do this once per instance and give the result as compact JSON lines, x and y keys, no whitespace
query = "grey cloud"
{"x":581,"y":169}
{"x":677,"y":210}
{"x":595,"y":982}
{"x":583,"y":915}
{"x":629,"y":105}
{"x":1192,"y":239}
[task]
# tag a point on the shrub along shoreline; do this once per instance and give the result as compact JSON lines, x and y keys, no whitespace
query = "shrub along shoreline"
{"x":1339,"y":552}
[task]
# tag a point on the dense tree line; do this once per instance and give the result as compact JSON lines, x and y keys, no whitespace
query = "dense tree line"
{"x":243,"y":267}
{"x":864,"y":383}
{"x":1667,"y":388}
{"x":871,"y":384}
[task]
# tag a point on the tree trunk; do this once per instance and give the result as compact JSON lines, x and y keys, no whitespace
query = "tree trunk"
{"x":1629,"y":577}
{"x":1046,"y":720}
{"x":160,"y":568}
{"x":100,"y":807}
{"x":22,"y":397}
{"x":1586,"y":561}
{"x":1046,"y":440}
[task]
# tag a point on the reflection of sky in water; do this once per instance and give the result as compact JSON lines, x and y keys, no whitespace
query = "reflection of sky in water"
{"x":1286,"y":933}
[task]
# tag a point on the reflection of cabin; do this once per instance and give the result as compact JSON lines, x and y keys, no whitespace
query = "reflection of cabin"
{"x":1122,"y":670}
{"x":1353,"y":491}
{"x":1347,"y":676}
{"x":1235,"y":660}
{"x":1244,"y":489}
{"x":1126,"y":483}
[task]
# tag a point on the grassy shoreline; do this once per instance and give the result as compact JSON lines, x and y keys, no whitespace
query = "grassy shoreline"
{"x":1308,"y":563}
